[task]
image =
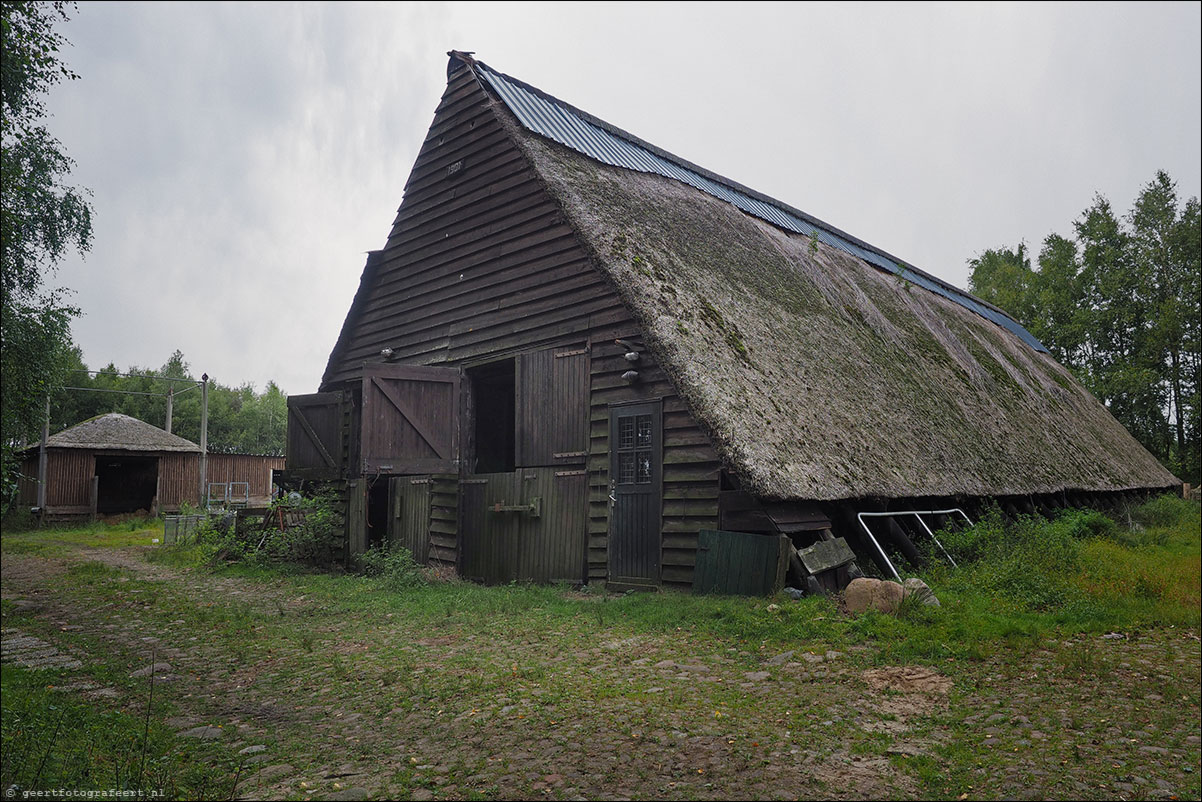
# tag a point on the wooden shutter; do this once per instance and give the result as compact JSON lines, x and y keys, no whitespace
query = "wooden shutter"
{"x":552,"y":407}
{"x":315,"y":435}
{"x":410,"y":420}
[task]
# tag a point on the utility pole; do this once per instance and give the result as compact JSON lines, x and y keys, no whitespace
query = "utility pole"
{"x":204,"y":436}
{"x":42,"y":462}
{"x":170,"y":398}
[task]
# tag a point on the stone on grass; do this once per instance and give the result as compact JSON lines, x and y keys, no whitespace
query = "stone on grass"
{"x":873,"y":594}
{"x":920,"y":592}
{"x":205,"y":733}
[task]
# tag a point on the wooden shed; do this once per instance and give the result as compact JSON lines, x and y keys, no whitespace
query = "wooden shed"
{"x":114,"y":464}
{"x":576,"y":352}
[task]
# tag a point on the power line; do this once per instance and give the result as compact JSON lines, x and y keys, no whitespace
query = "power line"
{"x":129,"y":375}
{"x":123,"y":392}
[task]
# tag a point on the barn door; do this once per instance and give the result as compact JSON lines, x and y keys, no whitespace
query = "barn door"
{"x":410,"y":420}
{"x":409,"y":515}
{"x":635,"y":482}
{"x":315,"y":435}
{"x":552,"y":407}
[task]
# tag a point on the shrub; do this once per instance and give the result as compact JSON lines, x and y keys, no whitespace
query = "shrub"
{"x":1168,"y":510}
{"x":313,"y":541}
{"x":394,"y":566}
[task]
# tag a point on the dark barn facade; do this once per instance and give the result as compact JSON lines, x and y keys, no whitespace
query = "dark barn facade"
{"x":576,"y":353}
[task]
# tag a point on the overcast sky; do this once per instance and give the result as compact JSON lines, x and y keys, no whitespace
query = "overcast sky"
{"x":244,"y":158}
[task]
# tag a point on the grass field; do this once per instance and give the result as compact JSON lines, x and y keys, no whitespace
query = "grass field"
{"x":1062,"y":663}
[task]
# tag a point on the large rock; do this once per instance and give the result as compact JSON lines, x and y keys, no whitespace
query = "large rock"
{"x":858,"y":594}
{"x":918,"y":590}
{"x":873,"y":594}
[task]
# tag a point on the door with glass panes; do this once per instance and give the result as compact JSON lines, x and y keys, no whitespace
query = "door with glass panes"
{"x":635,"y":483}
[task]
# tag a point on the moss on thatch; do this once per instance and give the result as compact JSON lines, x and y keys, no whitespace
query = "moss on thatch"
{"x":819,"y":376}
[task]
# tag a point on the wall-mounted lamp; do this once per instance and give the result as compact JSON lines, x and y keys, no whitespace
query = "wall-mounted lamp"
{"x":631,"y":376}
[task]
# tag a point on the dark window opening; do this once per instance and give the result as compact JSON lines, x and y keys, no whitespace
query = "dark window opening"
{"x":493,"y":393}
{"x":377,"y":513}
{"x":126,"y":484}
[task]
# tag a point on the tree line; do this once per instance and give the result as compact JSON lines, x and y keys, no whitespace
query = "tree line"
{"x":1119,"y":303}
{"x":241,"y":421}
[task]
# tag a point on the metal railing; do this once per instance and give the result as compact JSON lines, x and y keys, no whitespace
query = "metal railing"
{"x":917,"y":514}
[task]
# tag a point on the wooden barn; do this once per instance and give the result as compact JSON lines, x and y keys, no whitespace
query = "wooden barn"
{"x":115,"y":464}
{"x":578,"y":358}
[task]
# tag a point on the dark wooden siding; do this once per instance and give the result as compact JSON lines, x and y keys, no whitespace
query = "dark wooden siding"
{"x":444,"y":521}
{"x":480,"y":265}
{"x":479,"y":262}
{"x":691,"y":466}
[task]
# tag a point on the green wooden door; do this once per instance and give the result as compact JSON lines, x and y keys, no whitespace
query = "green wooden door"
{"x":739,"y":564}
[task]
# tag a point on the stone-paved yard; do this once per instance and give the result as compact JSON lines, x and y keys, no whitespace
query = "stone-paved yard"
{"x":314,"y":705}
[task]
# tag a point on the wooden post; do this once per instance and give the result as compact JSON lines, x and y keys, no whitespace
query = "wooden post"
{"x":42,"y":462}
{"x":204,"y":436}
{"x":170,"y":399}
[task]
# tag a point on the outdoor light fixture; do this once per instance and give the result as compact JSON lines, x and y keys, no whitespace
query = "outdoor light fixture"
{"x":386,"y":353}
{"x":631,"y":376}
{"x":632,"y":356}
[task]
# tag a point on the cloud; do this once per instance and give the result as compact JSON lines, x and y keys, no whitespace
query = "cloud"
{"x":244,"y":157}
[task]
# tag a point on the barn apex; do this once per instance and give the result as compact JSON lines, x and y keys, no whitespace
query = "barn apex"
{"x":576,"y":352}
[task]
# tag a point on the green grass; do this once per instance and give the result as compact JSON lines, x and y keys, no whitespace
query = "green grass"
{"x":54,"y":740}
{"x":486,"y":668}
{"x":58,"y":542}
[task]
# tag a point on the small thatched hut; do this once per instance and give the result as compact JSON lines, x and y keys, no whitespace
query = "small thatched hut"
{"x":576,"y":353}
{"x":113,"y":463}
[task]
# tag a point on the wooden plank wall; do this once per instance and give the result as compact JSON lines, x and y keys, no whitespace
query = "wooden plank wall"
{"x":479,"y":262}
{"x":481,"y":265}
{"x":444,"y":518}
{"x":69,"y":475}
{"x":691,"y":466}
{"x":179,"y":480}
{"x":251,"y":468}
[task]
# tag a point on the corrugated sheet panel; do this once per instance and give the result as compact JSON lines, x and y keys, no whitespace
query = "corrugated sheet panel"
{"x":555,"y":120}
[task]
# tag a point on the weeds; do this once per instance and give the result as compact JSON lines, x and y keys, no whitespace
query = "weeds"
{"x":393,"y":567}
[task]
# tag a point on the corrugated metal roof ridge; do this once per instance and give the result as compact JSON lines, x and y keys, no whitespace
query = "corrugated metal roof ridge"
{"x":869,"y":251}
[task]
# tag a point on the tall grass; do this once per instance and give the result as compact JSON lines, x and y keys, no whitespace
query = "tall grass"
{"x":1081,"y":569}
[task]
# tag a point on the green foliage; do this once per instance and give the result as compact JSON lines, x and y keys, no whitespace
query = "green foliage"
{"x":393,"y":566}
{"x":40,"y":221}
{"x":241,"y":421}
{"x":53,"y":740}
{"x":311,"y":542}
{"x":1120,"y":304}
{"x":1081,"y":566}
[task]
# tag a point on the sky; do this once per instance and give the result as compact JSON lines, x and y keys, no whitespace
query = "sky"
{"x":244,"y":158}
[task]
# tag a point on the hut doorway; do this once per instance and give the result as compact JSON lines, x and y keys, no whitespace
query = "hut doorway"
{"x":636,"y":479}
{"x":126,"y":484}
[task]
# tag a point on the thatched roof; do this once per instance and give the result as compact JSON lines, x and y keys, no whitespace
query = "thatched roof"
{"x":115,"y":431}
{"x":820,"y":376}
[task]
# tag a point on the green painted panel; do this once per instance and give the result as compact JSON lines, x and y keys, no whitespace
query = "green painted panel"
{"x":409,"y":515}
{"x":737,"y":563}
